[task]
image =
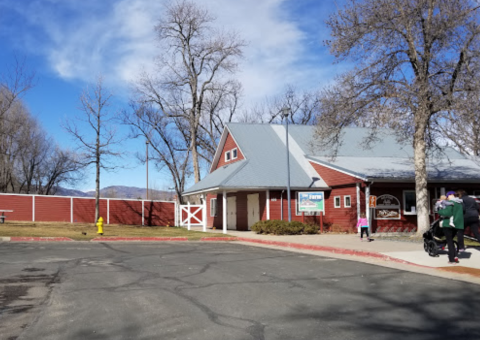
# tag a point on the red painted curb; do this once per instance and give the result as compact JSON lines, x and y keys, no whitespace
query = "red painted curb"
{"x":329,"y":249}
{"x":218,"y":239}
{"x":30,"y":239}
{"x":101,"y":239}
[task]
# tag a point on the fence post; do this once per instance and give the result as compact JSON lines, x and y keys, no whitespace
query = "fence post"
{"x":108,"y":210}
{"x":143,"y":213}
{"x":71,"y":209}
{"x":204,"y":214}
{"x":188,"y":215}
{"x":33,"y":208}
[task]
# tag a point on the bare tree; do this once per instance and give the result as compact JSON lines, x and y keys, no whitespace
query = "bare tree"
{"x":167,"y":137}
{"x":461,"y":125}
{"x":303,"y":107}
{"x":416,"y":60}
{"x":14,"y":83}
{"x":191,"y":74}
{"x":97,"y":150}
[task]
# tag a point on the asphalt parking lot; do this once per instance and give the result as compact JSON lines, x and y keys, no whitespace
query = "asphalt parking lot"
{"x":220,"y":291}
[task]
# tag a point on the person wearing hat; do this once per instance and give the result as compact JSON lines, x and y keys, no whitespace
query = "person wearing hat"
{"x":470,"y":216}
{"x":456,"y":211}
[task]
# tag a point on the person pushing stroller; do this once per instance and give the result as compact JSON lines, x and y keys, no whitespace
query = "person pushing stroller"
{"x":455,"y":212}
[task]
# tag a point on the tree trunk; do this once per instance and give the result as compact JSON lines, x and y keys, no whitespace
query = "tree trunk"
{"x":419,"y":149}
{"x":196,"y":165}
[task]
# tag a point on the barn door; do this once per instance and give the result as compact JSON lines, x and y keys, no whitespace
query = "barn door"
{"x":253,"y":207}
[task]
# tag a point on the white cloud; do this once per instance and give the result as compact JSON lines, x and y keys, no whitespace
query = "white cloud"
{"x":86,"y":38}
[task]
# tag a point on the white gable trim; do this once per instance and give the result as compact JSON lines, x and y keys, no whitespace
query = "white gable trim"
{"x":221,"y":145}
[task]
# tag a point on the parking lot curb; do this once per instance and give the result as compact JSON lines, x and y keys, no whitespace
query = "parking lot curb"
{"x":334,"y":250}
{"x":136,"y":239}
{"x":35,"y":239}
{"x":218,"y":239}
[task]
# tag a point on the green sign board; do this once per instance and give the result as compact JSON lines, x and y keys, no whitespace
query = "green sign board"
{"x":311,"y":201}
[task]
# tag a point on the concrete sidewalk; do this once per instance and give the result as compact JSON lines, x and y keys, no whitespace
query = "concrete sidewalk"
{"x":379,"y":251}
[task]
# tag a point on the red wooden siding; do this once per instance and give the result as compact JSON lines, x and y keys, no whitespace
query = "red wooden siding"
{"x":21,"y":206}
{"x":84,"y":210}
{"x":228,"y":146}
{"x":52,"y":209}
{"x":125,"y":212}
{"x":346,"y":217}
{"x":159,"y":213}
{"x":333,"y":177}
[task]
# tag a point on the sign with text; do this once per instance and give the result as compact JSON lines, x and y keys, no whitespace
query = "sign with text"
{"x":311,"y":201}
{"x":372,"y":201}
{"x":387,"y":208}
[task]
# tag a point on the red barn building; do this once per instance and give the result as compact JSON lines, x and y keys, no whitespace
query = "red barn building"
{"x":248,"y":177}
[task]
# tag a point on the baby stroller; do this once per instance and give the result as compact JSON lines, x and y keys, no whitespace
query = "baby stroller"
{"x":434,"y":239}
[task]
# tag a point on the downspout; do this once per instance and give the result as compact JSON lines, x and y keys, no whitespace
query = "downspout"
{"x":281,"y":205}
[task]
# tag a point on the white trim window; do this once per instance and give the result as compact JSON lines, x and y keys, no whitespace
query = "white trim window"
{"x":234,"y":153}
{"x":228,"y":156}
{"x":337,"y":201}
{"x":410,"y":202}
{"x":347,"y":201}
{"x":213,"y":207}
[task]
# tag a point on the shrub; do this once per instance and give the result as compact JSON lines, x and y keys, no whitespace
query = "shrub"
{"x":278,"y":227}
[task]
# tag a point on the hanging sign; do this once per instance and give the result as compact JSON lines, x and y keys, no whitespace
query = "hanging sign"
{"x":311,"y":201}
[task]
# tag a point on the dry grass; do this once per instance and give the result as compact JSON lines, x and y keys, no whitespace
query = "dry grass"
{"x":75,"y":231}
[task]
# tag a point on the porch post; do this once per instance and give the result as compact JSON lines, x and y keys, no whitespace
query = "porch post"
{"x":224,"y":212}
{"x":367,"y":207}
{"x":188,"y":215}
{"x":204,"y":214}
{"x":268,"y":205}
{"x":358,"y":201}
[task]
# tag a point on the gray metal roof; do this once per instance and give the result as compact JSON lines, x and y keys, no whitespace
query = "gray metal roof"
{"x":264,"y":149}
{"x":395,"y":168}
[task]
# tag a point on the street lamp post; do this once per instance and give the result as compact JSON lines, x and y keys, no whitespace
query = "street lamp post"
{"x":146,"y":145}
{"x":285,"y":113}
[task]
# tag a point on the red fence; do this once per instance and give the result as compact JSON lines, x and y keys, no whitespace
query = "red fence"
{"x":77,"y":209}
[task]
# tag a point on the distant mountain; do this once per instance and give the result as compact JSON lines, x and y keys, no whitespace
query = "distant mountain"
{"x":120,"y":191}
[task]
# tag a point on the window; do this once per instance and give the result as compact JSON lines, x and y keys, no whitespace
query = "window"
{"x":213,"y":207}
{"x":227,"y":156}
{"x":410,"y":202}
{"x":234,"y":153}
{"x":347,"y":201}
{"x":337,"y":202}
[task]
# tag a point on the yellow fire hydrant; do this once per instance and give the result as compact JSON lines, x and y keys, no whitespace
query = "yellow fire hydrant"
{"x":100,"y":226}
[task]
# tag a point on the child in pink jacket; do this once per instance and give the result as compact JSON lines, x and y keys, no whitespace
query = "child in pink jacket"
{"x":363,"y":226}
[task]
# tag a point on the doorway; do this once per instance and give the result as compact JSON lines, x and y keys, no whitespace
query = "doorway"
{"x":232,"y":212}
{"x":253,"y":209}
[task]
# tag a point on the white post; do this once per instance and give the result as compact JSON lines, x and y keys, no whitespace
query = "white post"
{"x":71,"y":209}
{"x":188,"y":215}
{"x":204,"y":214}
{"x":224,"y":212}
{"x":367,"y":207}
{"x":268,"y":205}
{"x":143,"y":212}
{"x":33,"y":208}
{"x":108,"y":210}
{"x":358,"y":201}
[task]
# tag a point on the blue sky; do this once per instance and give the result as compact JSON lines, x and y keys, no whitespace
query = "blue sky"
{"x":68,"y":43}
